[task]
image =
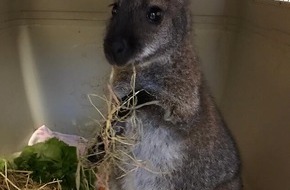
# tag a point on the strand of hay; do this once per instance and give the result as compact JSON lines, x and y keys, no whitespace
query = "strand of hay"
{"x":111,"y":142}
{"x":117,"y":148}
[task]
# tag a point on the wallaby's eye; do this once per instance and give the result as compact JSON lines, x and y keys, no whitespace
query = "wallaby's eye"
{"x":114,"y":8}
{"x":155,"y":14}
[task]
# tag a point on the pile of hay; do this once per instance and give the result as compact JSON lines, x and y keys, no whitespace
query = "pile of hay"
{"x":18,"y":180}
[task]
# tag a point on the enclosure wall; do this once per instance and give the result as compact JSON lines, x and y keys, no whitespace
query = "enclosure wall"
{"x":256,"y":102}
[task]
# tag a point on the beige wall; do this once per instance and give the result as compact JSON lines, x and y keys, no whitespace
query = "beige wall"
{"x":256,"y":102}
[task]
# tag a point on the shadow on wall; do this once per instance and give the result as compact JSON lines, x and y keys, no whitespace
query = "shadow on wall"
{"x":215,"y":26}
{"x":256,"y":102}
{"x":15,"y":118}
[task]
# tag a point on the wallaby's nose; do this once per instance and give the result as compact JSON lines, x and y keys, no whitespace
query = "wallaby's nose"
{"x":119,"y":48}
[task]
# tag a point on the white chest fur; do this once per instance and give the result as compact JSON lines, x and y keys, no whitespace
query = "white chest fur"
{"x":157,"y":155}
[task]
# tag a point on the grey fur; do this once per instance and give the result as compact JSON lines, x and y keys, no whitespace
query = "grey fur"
{"x":183,"y":142}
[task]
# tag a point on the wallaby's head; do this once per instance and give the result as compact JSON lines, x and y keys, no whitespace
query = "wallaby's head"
{"x":145,"y":30}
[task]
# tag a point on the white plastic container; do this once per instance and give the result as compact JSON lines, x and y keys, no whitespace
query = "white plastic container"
{"x":51,"y":58}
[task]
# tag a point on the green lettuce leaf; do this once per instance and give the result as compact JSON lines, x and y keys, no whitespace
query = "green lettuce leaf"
{"x":49,"y":161}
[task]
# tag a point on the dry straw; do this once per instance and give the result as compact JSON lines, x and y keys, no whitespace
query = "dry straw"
{"x":20,"y":180}
{"x":117,"y":148}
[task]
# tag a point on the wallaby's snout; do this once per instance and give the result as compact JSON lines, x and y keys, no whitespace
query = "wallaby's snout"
{"x":119,"y":48}
{"x":117,"y":51}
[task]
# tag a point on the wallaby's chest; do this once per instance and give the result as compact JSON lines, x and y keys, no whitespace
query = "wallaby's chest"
{"x":156,"y":155}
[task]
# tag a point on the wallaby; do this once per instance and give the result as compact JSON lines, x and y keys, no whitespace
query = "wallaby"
{"x":183,"y":141}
